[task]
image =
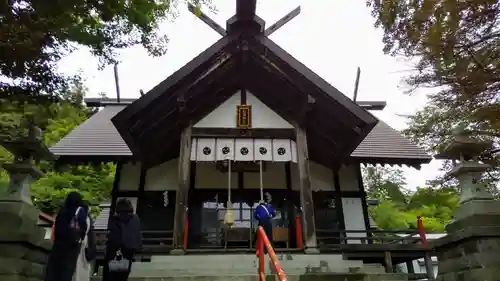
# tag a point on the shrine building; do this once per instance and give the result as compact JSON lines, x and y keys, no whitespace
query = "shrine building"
{"x":242,"y":115}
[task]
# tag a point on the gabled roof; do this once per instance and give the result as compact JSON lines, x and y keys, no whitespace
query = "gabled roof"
{"x":97,"y":138}
{"x":151,"y":126}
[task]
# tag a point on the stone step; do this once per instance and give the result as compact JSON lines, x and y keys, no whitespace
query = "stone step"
{"x":305,"y":277}
{"x":241,"y":264}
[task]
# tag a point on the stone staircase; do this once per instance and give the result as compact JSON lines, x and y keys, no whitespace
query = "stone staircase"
{"x":243,"y":267}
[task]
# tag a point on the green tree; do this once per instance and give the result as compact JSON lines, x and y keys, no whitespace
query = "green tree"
{"x":57,"y":120}
{"x":456,"y":47}
{"x":385,"y":183}
{"x":399,"y":207}
{"x":35,"y":35}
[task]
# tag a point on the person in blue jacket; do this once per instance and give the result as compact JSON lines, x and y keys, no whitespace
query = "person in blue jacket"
{"x":264,"y":213}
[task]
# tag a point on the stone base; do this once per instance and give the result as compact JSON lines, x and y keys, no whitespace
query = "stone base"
{"x":178,"y":252}
{"x":244,"y":267}
{"x":477,"y":207}
{"x":476,"y":225}
{"x":24,"y":250}
{"x":311,"y":251}
{"x":273,"y":277}
{"x":471,"y":249}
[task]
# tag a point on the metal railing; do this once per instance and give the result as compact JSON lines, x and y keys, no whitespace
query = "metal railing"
{"x":263,"y":242}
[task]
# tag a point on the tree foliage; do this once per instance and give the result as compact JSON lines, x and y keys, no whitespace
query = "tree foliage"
{"x":399,"y":207}
{"x":57,"y":120}
{"x":456,"y":47}
{"x":35,"y":35}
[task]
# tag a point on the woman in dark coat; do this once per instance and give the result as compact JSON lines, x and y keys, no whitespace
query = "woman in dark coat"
{"x":125,"y":236}
{"x":66,"y":247}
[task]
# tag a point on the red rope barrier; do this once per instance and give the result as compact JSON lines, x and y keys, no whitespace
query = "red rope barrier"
{"x":263,"y":241}
{"x":421,"y":232}
{"x":298,"y":232}
{"x":186,"y":228}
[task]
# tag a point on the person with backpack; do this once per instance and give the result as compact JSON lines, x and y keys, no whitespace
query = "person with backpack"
{"x":69,"y":232}
{"x":124,"y":241}
{"x":264,"y":213}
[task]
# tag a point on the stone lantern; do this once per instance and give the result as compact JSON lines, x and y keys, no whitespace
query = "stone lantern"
{"x":27,"y":151}
{"x":24,"y":247}
{"x":475,"y":198}
{"x":470,"y":250}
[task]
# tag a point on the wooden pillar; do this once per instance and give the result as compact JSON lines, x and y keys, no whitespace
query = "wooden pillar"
{"x":306,"y":198}
{"x":181,"y":198}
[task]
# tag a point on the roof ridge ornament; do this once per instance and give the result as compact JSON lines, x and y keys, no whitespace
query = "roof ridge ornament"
{"x":245,"y":11}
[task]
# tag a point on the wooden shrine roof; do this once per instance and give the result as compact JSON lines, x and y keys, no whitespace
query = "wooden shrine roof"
{"x":243,"y":59}
{"x":151,"y":125}
{"x":98,"y":140}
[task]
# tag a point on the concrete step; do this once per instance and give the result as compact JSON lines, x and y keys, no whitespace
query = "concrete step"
{"x":305,"y":277}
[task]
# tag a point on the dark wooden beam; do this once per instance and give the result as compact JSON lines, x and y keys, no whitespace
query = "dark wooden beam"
{"x":115,"y":190}
{"x":207,"y":20}
{"x":306,"y":198}
{"x":142,"y":188}
{"x":195,"y":67}
{"x":364,"y":203}
{"x":245,"y":9}
{"x":338,"y":201}
{"x":251,"y":133}
{"x":281,"y":22}
{"x":322,"y":101}
{"x":181,"y":198}
{"x":163,"y":117}
{"x":161,"y":139}
{"x":299,"y":71}
{"x":288,"y":107}
{"x":156,"y":118}
{"x":372,"y":105}
{"x":100,"y":102}
{"x":297,"y":102}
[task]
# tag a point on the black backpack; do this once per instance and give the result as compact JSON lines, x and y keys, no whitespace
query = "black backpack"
{"x":74,"y":227}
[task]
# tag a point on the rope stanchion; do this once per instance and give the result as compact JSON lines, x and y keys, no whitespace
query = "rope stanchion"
{"x":186,"y":233}
{"x":53,"y":232}
{"x":421,"y":232}
{"x":427,"y":257}
{"x":263,"y":242}
{"x":298,"y":232}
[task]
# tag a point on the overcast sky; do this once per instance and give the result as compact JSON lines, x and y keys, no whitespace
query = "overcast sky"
{"x":332,"y":38}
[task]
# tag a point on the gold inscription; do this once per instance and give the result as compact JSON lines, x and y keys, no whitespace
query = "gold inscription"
{"x":244,"y":116}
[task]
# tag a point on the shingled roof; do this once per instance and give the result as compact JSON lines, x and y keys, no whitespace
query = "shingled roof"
{"x":98,"y":137}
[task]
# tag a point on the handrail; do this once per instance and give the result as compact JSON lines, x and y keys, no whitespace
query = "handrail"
{"x":298,"y":232}
{"x":263,"y":241}
{"x":427,"y":258}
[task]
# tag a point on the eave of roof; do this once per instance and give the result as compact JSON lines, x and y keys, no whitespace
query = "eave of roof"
{"x":98,"y":140}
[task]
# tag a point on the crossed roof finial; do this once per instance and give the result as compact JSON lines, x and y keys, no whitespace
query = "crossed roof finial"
{"x":245,"y":11}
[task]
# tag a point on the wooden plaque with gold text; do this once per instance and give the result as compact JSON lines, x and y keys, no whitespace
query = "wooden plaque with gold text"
{"x":244,"y":116}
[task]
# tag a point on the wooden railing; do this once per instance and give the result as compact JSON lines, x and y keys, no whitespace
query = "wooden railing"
{"x":388,"y":240}
{"x":152,"y":240}
{"x":335,"y":237}
{"x":263,"y":242}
